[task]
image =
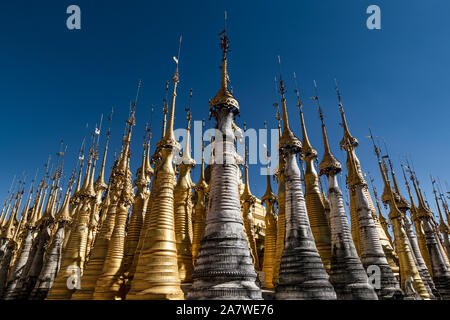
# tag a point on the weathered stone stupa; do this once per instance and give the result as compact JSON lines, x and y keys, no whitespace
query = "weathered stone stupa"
{"x":224,"y":268}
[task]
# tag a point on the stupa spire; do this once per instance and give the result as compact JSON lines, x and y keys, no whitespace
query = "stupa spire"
{"x":270,"y":239}
{"x":384,"y":223}
{"x":100,"y":274}
{"x":360,"y":200}
{"x":22,"y":262}
{"x":3,"y":213}
{"x":281,"y":199}
{"x":199,"y":214}
{"x":315,"y":204}
{"x":156,"y":275}
{"x":408,"y":267}
{"x":165,"y":110}
{"x":347,"y":274}
{"x":148,"y":167}
{"x":100,"y":182}
{"x":224,"y":236}
{"x":224,"y":96}
{"x":53,"y":255}
{"x":302,"y":274}
{"x":443,"y":228}
{"x":248,"y":202}
{"x":183,"y":205}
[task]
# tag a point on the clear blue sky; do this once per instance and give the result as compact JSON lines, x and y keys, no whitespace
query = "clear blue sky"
{"x":53,"y":81}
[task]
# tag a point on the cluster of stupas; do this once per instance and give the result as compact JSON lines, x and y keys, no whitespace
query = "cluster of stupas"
{"x":162,"y":236}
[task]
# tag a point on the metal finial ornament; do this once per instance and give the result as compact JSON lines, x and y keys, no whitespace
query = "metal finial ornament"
{"x":297,"y":92}
{"x":188,"y":110}
{"x":337,"y":91}
{"x":224,"y":96}
{"x":316,"y":97}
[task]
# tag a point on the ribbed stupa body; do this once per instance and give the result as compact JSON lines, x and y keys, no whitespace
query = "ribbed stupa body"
{"x":270,"y":240}
{"x":421,"y":240}
{"x":409,"y":273}
{"x":93,"y":223}
{"x":247,"y":204}
{"x":315,"y":205}
{"x":17,"y":288}
{"x":19,"y":268}
{"x":108,"y":283}
{"x":183,"y":207}
{"x":183,"y":223}
{"x":356,"y":182}
{"x":249,"y":226}
{"x":134,"y":229}
{"x":281,"y":220}
{"x":224,"y":267}
{"x":444,"y":232}
{"x":316,"y":213}
{"x":74,"y":210}
{"x":388,"y":250}
{"x":302,"y":274}
{"x":44,"y":236}
{"x":5,"y":264}
{"x":347,"y":274}
{"x":53,"y":255}
{"x":73,"y":259}
{"x":372,"y":253}
{"x":94,"y":266}
{"x":408,"y":266}
{"x":98,"y":253}
{"x":440,"y":244}
{"x":129,"y":275}
{"x":19,"y":265}
{"x":420,"y":263}
{"x":50,"y":265}
{"x":44,"y":231}
{"x":441,"y":274}
{"x":199,"y":218}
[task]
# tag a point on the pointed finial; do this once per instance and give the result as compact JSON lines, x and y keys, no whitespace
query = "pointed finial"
{"x":188,"y":110}
{"x":282,"y":90}
{"x":316,"y":97}
{"x":224,"y":98}
{"x":225,"y":20}
{"x":268,"y":196}
{"x":307,"y":150}
{"x":100,"y":182}
{"x":169,"y":137}
{"x":287,"y":140}
{"x":165,"y":110}
{"x":297,"y":93}
{"x":337,"y":91}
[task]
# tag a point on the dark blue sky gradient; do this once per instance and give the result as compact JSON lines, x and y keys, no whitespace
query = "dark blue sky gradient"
{"x":396,"y":80}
